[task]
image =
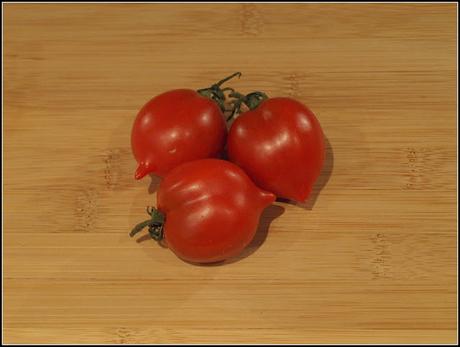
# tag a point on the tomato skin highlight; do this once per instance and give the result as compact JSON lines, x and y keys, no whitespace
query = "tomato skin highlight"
{"x":176,"y":127}
{"x":212,"y":210}
{"x":280,"y":145}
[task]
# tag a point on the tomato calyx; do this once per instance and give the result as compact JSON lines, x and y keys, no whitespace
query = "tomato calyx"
{"x":251,"y":100}
{"x":155,"y":224}
{"x":254,"y":99}
{"x":216,"y":93}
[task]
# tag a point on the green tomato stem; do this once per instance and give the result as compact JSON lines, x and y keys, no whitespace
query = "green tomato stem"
{"x":215,"y":93}
{"x":251,"y":100}
{"x":222,"y":81}
{"x":155,"y":224}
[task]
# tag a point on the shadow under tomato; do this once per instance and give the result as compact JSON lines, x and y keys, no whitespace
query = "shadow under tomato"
{"x":154,"y":183}
{"x":268,"y":215}
{"x":320,"y":183}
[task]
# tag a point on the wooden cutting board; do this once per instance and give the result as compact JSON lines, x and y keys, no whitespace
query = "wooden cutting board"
{"x":370,"y":258}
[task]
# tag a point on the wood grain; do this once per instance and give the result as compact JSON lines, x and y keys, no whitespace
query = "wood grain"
{"x":371,"y":258}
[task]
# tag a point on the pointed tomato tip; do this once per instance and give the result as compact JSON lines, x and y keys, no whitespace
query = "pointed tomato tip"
{"x":267,"y":197}
{"x":303,"y":196}
{"x":141,"y":171}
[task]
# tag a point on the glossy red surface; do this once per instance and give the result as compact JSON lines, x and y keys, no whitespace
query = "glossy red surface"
{"x":176,"y":127}
{"x":212,"y":210}
{"x":280,"y":145}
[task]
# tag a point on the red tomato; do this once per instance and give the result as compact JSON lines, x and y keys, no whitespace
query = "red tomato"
{"x":210,"y":209}
{"x":176,"y":127}
{"x":280,"y":145}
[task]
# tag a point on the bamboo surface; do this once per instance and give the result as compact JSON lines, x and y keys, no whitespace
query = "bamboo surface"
{"x":370,"y":258}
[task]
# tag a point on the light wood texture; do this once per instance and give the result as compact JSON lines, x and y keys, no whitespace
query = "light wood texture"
{"x":370,"y":259}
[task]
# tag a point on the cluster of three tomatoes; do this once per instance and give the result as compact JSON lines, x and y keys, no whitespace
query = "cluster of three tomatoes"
{"x":208,"y":207}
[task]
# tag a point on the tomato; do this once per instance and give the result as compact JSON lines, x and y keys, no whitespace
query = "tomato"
{"x":279,"y":143}
{"x":179,"y":126}
{"x":207,"y":210}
